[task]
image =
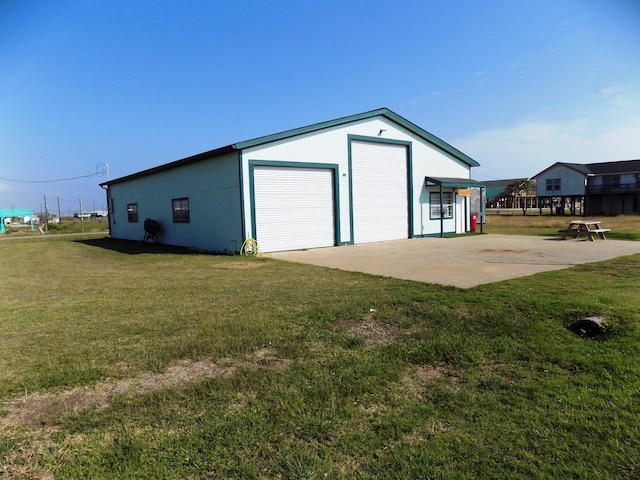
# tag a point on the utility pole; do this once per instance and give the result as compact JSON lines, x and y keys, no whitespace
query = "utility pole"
{"x":81,"y":218}
{"x":46,"y":214}
{"x":59,"y":212}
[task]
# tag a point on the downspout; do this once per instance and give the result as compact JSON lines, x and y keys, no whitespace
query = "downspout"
{"x":110,"y":212}
{"x":441,"y":212}
{"x":243,"y":221}
{"x":467,"y":209}
{"x":482,"y":209}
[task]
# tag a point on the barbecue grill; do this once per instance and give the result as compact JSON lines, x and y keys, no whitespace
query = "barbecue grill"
{"x":151,"y":230}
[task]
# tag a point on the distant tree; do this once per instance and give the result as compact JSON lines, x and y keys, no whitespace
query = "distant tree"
{"x":522,"y":188}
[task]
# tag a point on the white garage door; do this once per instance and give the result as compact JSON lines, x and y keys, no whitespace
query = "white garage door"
{"x":380,"y":192}
{"x":294,"y":208}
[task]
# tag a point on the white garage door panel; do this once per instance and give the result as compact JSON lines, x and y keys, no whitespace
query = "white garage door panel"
{"x":380,"y":192}
{"x":294,"y":208}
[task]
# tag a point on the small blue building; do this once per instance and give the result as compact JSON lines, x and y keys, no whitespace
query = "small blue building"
{"x":368,"y":177}
{"x":15,"y":213}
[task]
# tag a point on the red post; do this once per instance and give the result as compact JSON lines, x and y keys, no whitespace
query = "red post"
{"x":474,"y":221}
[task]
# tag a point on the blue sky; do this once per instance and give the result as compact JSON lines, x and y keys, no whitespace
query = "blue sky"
{"x":516,"y":85}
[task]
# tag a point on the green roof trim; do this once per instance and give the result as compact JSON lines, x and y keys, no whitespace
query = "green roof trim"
{"x":384,"y":112}
{"x":239,"y":146}
{"x":452,"y":182}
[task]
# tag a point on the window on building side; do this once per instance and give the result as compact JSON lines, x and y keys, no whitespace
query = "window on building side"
{"x":611,"y":180}
{"x":447,"y":204}
{"x":553,"y":184}
{"x":132,"y":212}
{"x":180,"y":208}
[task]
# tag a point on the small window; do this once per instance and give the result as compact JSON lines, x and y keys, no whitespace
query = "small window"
{"x":132,"y":212}
{"x":180,"y":207}
{"x":553,"y":184}
{"x":611,"y":180}
{"x":447,"y":204}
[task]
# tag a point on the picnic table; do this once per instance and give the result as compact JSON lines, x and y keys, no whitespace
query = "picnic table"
{"x":589,"y":228}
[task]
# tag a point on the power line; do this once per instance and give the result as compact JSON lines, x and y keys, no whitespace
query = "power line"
{"x":101,"y":169}
{"x":47,"y":181}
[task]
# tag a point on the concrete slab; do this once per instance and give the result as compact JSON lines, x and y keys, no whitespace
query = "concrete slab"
{"x":463,"y":261}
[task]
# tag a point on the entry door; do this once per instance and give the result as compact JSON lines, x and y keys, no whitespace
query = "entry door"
{"x":380,"y":191}
{"x":294,"y":208}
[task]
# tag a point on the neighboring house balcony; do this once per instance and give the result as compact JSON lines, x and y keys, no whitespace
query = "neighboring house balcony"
{"x":613,"y":188}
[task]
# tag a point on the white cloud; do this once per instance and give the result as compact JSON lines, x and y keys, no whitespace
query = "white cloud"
{"x":621,"y":99}
{"x":613,"y":133}
{"x":610,"y":91}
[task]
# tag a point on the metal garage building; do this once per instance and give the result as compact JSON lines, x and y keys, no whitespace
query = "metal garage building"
{"x":368,"y":177}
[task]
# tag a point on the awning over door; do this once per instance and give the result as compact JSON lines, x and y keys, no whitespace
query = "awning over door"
{"x":449,"y":182}
{"x":452,"y":182}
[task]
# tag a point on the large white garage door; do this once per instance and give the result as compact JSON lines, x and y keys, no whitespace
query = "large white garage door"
{"x":294,"y":208}
{"x":380,"y":192}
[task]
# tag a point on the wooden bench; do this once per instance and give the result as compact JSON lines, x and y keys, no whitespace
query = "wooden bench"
{"x":576,"y":228}
{"x":600,"y":231}
{"x":569,"y":232}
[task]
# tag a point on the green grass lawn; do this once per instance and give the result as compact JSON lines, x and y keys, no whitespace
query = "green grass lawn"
{"x":124,"y":360}
{"x":623,"y":227}
{"x":66,"y":225}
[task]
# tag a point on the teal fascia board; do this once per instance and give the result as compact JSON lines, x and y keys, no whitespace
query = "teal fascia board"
{"x":168,"y":166}
{"x":431,"y":138}
{"x":452,"y":182}
{"x":384,"y":112}
{"x":308,"y":129}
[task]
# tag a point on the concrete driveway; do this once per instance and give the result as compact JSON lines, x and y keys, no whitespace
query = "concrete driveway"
{"x":463,"y":261}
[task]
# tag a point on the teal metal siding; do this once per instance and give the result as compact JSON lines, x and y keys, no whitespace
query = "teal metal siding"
{"x":213,"y":189}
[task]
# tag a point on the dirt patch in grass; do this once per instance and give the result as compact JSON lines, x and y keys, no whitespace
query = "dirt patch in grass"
{"x":22,"y":462}
{"x":426,"y":433}
{"x":429,"y":373}
{"x":45,"y":409}
{"x":373,"y":331}
{"x":416,"y":383}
